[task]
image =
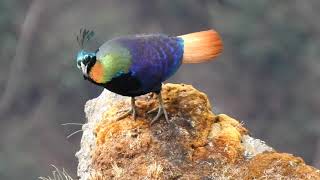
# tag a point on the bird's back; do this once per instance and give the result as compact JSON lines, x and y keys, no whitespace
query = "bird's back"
{"x":153,"y":58}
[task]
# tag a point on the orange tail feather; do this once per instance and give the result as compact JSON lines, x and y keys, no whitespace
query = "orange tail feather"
{"x":201,"y":46}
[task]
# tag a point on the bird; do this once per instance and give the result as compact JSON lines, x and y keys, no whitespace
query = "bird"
{"x":135,"y":65}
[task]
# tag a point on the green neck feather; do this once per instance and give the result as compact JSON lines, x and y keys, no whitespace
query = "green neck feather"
{"x":116,"y":61}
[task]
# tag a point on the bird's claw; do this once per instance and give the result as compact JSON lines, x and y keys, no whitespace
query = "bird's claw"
{"x":127,"y":113}
{"x":161,"y":111}
{"x":132,"y":111}
{"x":153,"y":110}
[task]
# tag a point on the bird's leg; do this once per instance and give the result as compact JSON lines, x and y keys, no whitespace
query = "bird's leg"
{"x":131,"y":110}
{"x":133,"y":107}
{"x":161,"y":110}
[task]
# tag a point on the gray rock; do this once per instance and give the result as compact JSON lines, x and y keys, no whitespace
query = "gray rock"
{"x":94,"y":110}
{"x":254,"y":146}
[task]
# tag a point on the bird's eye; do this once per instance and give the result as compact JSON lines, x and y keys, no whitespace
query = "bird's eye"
{"x":85,"y":60}
{"x":79,"y":64}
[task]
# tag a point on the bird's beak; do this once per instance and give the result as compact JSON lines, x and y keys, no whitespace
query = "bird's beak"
{"x":84,"y":69}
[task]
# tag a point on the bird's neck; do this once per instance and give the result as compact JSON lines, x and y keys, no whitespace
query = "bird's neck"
{"x":97,"y":73}
{"x":110,"y":66}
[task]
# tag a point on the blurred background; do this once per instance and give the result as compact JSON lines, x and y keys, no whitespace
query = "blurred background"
{"x":268,"y":76}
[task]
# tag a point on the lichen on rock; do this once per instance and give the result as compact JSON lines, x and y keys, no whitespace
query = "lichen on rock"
{"x":196,"y":144}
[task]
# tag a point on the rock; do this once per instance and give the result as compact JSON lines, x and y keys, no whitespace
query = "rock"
{"x":275,"y":165}
{"x":196,"y":144}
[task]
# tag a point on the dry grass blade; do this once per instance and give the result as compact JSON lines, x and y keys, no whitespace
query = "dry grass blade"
{"x":58,"y":174}
{"x":65,"y":124}
{"x":70,"y":135}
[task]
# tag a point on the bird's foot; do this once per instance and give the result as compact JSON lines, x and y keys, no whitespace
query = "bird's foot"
{"x":132,"y":111}
{"x":127,"y":113}
{"x":161,"y":111}
{"x":153,"y":110}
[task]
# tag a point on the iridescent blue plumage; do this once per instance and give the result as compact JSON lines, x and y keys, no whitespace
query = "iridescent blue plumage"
{"x":83,"y":55}
{"x":154,"y":58}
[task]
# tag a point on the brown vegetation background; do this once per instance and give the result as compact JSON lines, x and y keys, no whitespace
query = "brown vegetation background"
{"x":268,"y":75}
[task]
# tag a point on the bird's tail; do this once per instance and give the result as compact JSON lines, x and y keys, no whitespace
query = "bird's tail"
{"x":201,"y":46}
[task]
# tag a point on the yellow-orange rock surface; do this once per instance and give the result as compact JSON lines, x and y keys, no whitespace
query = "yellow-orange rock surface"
{"x":196,"y":144}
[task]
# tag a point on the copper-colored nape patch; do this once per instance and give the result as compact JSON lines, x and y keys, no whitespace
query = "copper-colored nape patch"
{"x":96,"y":72}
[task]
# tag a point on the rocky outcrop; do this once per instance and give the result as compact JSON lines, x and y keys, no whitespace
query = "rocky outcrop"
{"x":196,"y":144}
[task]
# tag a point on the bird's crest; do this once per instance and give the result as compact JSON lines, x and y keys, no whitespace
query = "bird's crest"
{"x":84,"y":36}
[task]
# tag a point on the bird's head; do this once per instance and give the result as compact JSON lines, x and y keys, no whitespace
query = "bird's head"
{"x":85,"y":59}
